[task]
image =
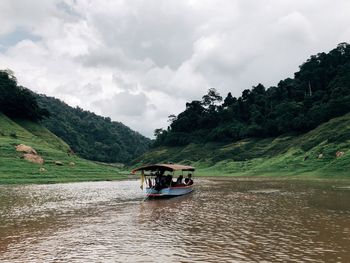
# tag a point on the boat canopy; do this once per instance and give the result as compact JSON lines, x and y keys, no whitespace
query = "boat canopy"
{"x":164,"y":167}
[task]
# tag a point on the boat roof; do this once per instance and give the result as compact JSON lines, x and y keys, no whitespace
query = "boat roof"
{"x":165,"y":167}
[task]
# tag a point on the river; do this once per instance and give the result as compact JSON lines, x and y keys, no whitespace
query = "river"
{"x":224,"y":220}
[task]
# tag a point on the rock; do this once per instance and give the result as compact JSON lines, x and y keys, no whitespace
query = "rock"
{"x":58,"y":163}
{"x":320,"y":156}
{"x":25,"y":149}
{"x":30,"y":154}
{"x":339,"y":154}
{"x":72,"y":163}
{"x":42,"y":170}
{"x":34,"y":158}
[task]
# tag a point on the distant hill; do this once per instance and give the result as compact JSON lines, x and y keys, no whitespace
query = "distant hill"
{"x":14,"y":169}
{"x":91,"y":136}
{"x":319,"y":91}
{"x":323,"y":151}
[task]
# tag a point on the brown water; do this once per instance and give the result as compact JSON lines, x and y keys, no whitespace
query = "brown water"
{"x":226,"y":220}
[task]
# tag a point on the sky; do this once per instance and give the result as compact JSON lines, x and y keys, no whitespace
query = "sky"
{"x":138,"y":62}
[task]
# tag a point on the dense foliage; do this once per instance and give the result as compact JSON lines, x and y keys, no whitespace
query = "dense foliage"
{"x":319,"y":91}
{"x":91,"y":136}
{"x":16,"y":101}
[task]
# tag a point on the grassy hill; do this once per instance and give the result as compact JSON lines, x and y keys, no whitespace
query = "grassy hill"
{"x":14,"y":169}
{"x":310,"y":154}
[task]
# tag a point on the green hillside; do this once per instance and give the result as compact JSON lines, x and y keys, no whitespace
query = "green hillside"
{"x":14,"y":169}
{"x":310,"y":154}
{"x":91,"y":136}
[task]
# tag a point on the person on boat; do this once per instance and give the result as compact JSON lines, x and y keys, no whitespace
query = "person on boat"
{"x":161,"y":180}
{"x":188,"y":180}
{"x":150,"y":185}
{"x":179,"y":180}
{"x":169,"y":180}
{"x":158,"y":181}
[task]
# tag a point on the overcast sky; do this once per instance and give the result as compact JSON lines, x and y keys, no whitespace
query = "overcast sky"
{"x":140,"y":61}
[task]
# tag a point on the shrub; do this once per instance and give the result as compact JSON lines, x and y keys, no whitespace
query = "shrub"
{"x":13,"y":135}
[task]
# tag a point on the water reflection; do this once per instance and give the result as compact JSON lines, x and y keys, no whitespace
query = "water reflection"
{"x":224,"y":220}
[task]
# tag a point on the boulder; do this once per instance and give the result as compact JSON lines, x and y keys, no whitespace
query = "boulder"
{"x":25,"y":149}
{"x":72,"y":163}
{"x":34,"y":158}
{"x":339,"y":154}
{"x":42,"y":170}
{"x":58,"y":163}
{"x":320,"y":156}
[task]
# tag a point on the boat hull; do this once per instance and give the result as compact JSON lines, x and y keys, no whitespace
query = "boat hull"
{"x":169,"y":191}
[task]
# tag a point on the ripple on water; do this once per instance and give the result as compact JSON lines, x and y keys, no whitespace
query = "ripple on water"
{"x":222,"y":221}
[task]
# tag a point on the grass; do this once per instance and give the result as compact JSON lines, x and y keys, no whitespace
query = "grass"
{"x":15,"y":170}
{"x":289,"y":155}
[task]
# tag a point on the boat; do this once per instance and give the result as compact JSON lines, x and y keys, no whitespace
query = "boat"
{"x":158,"y":179}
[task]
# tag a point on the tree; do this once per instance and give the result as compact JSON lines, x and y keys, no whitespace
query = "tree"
{"x":158,"y":132}
{"x":17,"y":101}
{"x":172,"y":118}
{"x":211,"y":98}
{"x":258,"y":89}
{"x":229,"y":100}
{"x":10,"y":73}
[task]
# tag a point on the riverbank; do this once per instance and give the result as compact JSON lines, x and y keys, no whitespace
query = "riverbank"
{"x":274,"y":168}
{"x":70,"y":169}
{"x":58,"y":163}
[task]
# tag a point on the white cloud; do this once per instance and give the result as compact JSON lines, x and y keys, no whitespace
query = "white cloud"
{"x":124,"y":104}
{"x":140,"y":61}
{"x":27,"y":14}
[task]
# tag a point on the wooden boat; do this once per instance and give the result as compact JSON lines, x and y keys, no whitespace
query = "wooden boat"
{"x":158,"y":179}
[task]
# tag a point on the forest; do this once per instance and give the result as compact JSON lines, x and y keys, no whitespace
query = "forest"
{"x":17,"y":101}
{"x":93,"y":137}
{"x":319,"y":91}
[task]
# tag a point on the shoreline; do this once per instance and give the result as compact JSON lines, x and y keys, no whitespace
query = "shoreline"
{"x":124,"y":177}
